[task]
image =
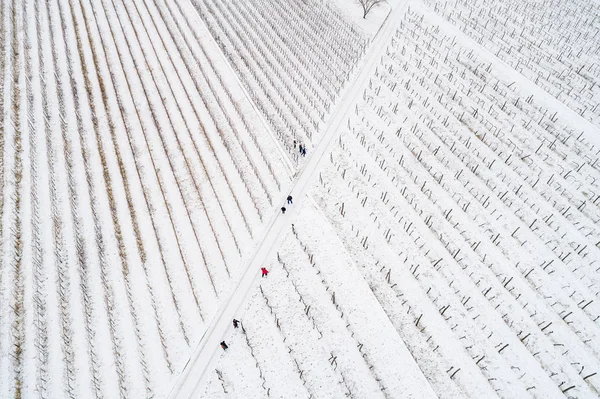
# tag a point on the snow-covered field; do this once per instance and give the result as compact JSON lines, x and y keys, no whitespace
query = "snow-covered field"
{"x":462,"y":203}
{"x":553,"y":43}
{"x":293,"y":58}
{"x":445,"y":234}
{"x":134,"y":178}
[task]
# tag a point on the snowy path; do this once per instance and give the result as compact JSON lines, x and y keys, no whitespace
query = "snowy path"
{"x":208,"y":350}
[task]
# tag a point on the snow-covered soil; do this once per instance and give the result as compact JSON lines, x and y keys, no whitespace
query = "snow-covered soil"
{"x":553,"y":43}
{"x":134,"y":179}
{"x":314,"y":328}
{"x":462,"y":202}
{"x":293,"y":58}
{"x":444,"y":236}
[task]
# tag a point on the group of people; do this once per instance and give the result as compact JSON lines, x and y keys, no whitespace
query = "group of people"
{"x":263,"y":270}
{"x":301,"y":148}
{"x":236,"y":323}
{"x":289,"y":202}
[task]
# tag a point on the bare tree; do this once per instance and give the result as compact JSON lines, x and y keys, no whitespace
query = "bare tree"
{"x":368,"y":5}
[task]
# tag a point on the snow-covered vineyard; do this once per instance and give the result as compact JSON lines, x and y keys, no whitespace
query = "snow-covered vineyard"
{"x":460,"y":208}
{"x":444,"y":235}
{"x":134,"y":178}
{"x":292,"y":57}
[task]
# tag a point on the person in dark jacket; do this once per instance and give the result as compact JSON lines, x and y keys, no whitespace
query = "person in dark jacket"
{"x":283,"y":209}
{"x":224,"y":345}
{"x":289,"y":199}
{"x":236,"y":323}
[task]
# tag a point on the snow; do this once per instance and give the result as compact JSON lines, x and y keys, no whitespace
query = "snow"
{"x":352,"y":11}
{"x":443,"y":240}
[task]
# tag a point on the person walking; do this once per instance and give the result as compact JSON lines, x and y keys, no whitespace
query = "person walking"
{"x":289,"y":199}
{"x":236,"y":323}
{"x":264,"y":271}
{"x":224,"y":345}
{"x":283,"y":210}
{"x":303,"y":151}
{"x":300,"y":148}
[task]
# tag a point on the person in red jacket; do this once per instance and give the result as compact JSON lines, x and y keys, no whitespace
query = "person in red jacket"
{"x":264,"y":271}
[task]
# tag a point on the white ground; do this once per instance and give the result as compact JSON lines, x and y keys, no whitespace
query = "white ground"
{"x":444,"y":236}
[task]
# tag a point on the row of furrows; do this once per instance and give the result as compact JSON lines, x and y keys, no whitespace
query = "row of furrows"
{"x":286,"y":122}
{"x":478,"y":75}
{"x":435,"y":176}
{"x":449,"y":285}
{"x":433,"y":343}
{"x":329,"y":31}
{"x":64,"y":282}
{"x":172,"y":144}
{"x":60,"y":234}
{"x":567,"y":14}
{"x":332,"y":40}
{"x":419,"y":310}
{"x":494,"y":183}
{"x":317,"y":99}
{"x":447,"y":160}
{"x":156,"y":126}
{"x":108,"y":273}
{"x":528,"y":158}
{"x":182,"y":288}
{"x":15,"y":239}
{"x":518,"y":34}
{"x":59,"y":258}
{"x":77,"y":107}
{"x":239,"y":146}
{"x":511,"y":314}
{"x":240,"y":157}
{"x":5,"y":49}
{"x":576,"y":213}
{"x":431,"y":167}
{"x":321,"y":313}
{"x":300,"y":297}
{"x":416,"y":155}
{"x":265,"y":25}
{"x":232,"y":103}
{"x":143,"y":64}
{"x":329,"y":40}
{"x":268,"y":337}
{"x":174,"y":264}
{"x":501,"y":94}
{"x":539,"y":50}
{"x":40,"y":320}
{"x":268,"y":64}
{"x":451,"y":159}
{"x":108,"y":88}
{"x":239,"y":153}
{"x":146,"y":58}
{"x":283,"y":300}
{"x":542,"y":38}
{"x":142,"y":252}
{"x":134,"y":310}
{"x":316,"y":66}
{"x":285,"y":88}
